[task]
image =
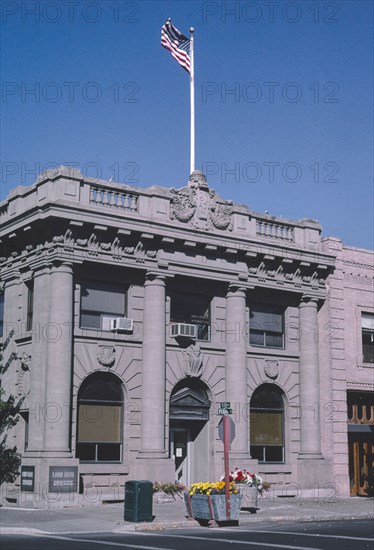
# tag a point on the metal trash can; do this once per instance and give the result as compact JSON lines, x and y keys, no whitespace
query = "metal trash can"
{"x":138,"y":500}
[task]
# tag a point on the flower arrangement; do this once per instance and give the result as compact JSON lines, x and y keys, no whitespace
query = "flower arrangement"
{"x":168,"y":488}
{"x":250,"y":480}
{"x":211,"y":488}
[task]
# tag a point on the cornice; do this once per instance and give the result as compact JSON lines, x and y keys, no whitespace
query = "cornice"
{"x":81,"y":243}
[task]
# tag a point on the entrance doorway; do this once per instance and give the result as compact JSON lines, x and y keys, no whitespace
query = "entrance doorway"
{"x":361,"y":443}
{"x":361,"y":454}
{"x":189,"y":429}
{"x":179,"y":443}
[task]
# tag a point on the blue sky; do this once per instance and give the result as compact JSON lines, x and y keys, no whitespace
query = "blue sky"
{"x":284,"y":101}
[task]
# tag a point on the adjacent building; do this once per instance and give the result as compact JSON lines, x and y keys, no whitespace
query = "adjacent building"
{"x":132,"y":316}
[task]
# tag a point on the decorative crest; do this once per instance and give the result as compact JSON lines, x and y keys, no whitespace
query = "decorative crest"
{"x":200,"y":205}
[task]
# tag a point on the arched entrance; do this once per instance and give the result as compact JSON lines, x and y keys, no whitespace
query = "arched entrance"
{"x":189,"y":420}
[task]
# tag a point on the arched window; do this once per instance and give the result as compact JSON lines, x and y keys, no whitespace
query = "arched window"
{"x":267,"y":424}
{"x":100,"y":419}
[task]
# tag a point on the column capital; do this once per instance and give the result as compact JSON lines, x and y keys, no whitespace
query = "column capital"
{"x":308,"y":300}
{"x":154,"y":277}
{"x":42,"y":269}
{"x":11,"y":276}
{"x":235,"y":289}
{"x":62,"y":267}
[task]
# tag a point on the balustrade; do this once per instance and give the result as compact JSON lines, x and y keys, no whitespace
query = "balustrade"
{"x":275,"y":230}
{"x":113,"y":198}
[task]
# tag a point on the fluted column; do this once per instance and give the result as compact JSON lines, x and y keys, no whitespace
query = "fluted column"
{"x":236,"y":367}
{"x":310,"y":433}
{"x":153,"y":367}
{"x":57,"y":412}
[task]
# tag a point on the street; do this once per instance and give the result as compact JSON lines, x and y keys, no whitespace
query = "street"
{"x":342,"y":535}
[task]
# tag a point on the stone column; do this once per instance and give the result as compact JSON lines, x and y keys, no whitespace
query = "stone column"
{"x":39,"y":365}
{"x":236,"y":371}
{"x":152,"y":461}
{"x":153,"y":367}
{"x":12,"y":329}
{"x":310,"y":433}
{"x":58,"y":332}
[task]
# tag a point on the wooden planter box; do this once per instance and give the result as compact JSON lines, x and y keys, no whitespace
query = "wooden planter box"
{"x":212,"y":506}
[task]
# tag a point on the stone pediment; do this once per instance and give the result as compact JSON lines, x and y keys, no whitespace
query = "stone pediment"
{"x":187,"y":397}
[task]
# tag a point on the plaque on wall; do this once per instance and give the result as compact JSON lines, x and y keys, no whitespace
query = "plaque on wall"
{"x":63,"y":479}
{"x":28,"y":478}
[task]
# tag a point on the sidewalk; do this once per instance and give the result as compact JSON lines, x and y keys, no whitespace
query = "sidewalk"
{"x":172,"y":515}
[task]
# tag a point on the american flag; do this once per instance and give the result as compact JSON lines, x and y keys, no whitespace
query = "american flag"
{"x":177,"y":44}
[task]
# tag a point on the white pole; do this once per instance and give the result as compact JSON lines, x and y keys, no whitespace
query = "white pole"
{"x":192,"y":102}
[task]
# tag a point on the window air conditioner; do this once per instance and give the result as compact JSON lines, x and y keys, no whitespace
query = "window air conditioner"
{"x":121,"y":324}
{"x":182,"y":329}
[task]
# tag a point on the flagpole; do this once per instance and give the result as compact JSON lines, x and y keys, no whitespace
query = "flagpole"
{"x":192,"y":103}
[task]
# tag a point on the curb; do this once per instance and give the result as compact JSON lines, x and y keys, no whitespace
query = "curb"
{"x":187,"y":524}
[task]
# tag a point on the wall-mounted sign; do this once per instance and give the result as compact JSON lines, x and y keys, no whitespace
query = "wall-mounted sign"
{"x":63,"y":479}
{"x":225,"y":408}
{"x":28,"y":478}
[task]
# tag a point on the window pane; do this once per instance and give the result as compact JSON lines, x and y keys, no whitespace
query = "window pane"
{"x":103,"y":297}
{"x":266,"y":428}
{"x":109,"y":452}
{"x":30,"y":305}
{"x":86,"y":451}
{"x":189,"y":308}
{"x":274,"y":454}
{"x":203,"y":332}
{"x":367,"y":321}
{"x":256,"y":337}
{"x":98,"y":423}
{"x":257,"y":453}
{"x":266,"y":399}
{"x":368,"y":346}
{"x":101,"y":387}
{"x":266,"y":317}
{"x":91,"y":320}
{"x":273,"y":340}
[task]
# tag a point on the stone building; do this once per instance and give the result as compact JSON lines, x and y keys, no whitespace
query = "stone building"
{"x":131,"y":314}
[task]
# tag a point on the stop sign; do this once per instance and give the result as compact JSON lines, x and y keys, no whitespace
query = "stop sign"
{"x":230,"y":428}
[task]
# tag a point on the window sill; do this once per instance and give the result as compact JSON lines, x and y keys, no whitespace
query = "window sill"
{"x":275,"y":467}
{"x":366,"y":365}
{"x":103,"y":468}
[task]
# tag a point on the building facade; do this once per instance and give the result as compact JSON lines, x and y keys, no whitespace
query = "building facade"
{"x":130,"y":315}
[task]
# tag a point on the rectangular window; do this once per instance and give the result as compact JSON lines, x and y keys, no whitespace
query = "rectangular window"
{"x":99,"y":432}
{"x":30,"y":305}
{"x":367,"y":331}
{"x":1,"y":314}
{"x":192,"y":309}
{"x":266,"y":433}
{"x":266,"y":326}
{"x":25,"y":416}
{"x":101,"y":302}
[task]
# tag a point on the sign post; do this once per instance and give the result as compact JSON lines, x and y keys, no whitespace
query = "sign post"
{"x":226,"y":431}
{"x":226,"y":446}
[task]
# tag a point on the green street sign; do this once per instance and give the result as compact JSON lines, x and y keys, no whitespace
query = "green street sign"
{"x":223,"y":411}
